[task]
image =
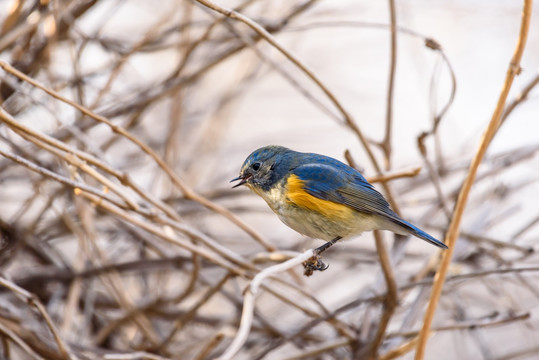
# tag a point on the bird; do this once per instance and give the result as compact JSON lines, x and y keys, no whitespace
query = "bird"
{"x":321,"y":197}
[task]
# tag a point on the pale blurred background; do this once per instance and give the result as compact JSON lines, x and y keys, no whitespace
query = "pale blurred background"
{"x":132,"y":61}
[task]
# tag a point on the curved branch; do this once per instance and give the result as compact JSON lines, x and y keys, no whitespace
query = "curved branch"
{"x":454,"y":227}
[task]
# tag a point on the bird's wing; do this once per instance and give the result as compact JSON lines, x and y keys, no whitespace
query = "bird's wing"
{"x":342,"y":186}
{"x":346,"y":186}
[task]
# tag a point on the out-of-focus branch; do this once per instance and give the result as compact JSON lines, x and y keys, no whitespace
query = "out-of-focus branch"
{"x":395,"y":175}
{"x":249,"y":300}
{"x":8,"y":333}
{"x":186,"y":190}
{"x":32,"y":300}
{"x":303,"y":67}
{"x":391,"y":299}
{"x":75,"y":185}
{"x":453,"y":231}
{"x":386,"y":142}
{"x":520,"y":98}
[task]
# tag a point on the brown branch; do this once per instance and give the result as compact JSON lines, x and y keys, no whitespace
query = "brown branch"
{"x":391,"y":300}
{"x":386,"y":143}
{"x":520,"y":98}
{"x":33,"y":301}
{"x":469,"y":325}
{"x":452,"y":234}
{"x":8,"y":333}
{"x":186,"y":190}
{"x":395,"y":175}
{"x":75,"y":185}
{"x":271,"y":40}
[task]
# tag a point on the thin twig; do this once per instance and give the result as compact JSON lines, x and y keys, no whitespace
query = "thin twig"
{"x":452,"y":234}
{"x":20,"y":342}
{"x":320,"y":349}
{"x":75,"y":185}
{"x":386,"y":142}
{"x":395,"y":175}
{"x":33,"y":301}
{"x":186,"y":190}
{"x":271,"y":39}
{"x":520,"y":98}
{"x":249,"y":300}
{"x":469,"y":325}
{"x":391,"y":300}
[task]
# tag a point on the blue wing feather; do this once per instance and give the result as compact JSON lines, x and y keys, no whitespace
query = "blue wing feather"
{"x":347,"y":187}
{"x":334,"y":181}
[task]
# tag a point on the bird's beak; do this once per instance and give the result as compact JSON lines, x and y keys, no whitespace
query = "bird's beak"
{"x":243,"y":179}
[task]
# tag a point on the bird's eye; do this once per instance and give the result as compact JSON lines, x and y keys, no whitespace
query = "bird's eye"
{"x":256,"y":166}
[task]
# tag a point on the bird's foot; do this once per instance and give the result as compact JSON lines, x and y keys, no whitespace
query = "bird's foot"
{"x":314,"y":263}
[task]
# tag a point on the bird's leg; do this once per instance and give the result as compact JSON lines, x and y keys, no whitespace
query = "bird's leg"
{"x":321,"y":249}
{"x":315,"y":263}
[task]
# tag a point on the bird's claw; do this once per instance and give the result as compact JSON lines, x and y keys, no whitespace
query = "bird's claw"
{"x":314,"y":263}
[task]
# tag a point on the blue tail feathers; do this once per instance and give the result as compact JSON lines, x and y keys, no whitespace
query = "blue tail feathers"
{"x":413,"y":230}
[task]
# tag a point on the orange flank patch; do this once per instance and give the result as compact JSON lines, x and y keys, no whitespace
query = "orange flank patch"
{"x":298,"y":196}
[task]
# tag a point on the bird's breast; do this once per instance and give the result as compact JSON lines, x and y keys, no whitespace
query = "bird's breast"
{"x":312,"y":216}
{"x":275,"y":197}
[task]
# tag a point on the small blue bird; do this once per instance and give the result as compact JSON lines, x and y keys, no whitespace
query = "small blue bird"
{"x":321,"y":197}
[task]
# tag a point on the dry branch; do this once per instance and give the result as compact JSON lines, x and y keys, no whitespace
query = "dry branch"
{"x":122,"y":238}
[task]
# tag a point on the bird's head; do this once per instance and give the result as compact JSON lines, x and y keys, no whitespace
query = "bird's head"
{"x":263,"y":168}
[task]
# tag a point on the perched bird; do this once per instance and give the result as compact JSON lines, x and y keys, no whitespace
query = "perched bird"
{"x":321,"y":197}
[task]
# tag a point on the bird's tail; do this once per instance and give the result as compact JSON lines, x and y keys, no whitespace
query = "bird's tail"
{"x":406,"y":228}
